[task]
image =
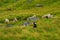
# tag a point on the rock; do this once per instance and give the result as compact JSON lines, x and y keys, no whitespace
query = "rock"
{"x":26,"y":23}
{"x":33,"y":18}
{"x":39,"y":5}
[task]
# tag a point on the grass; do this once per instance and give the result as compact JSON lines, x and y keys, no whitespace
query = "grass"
{"x":47,"y":29}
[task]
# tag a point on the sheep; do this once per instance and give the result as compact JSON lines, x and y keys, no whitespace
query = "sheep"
{"x":15,"y":20}
{"x":34,"y":25}
{"x":47,"y":16}
{"x":6,"y":21}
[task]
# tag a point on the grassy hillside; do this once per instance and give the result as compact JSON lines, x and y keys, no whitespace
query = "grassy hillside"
{"x":47,"y":29}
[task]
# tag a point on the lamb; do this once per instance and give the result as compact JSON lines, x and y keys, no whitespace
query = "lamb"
{"x":15,"y":20}
{"x":6,"y":20}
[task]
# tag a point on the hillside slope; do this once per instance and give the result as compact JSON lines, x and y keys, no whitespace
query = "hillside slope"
{"x":47,"y":29}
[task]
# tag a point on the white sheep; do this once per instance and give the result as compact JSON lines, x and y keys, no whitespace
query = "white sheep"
{"x":15,"y":20}
{"x":47,"y":16}
{"x":6,"y":21}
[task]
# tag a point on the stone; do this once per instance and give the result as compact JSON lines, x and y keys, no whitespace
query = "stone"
{"x":9,"y":25}
{"x":39,"y":5}
{"x":26,"y":23}
{"x":33,"y":18}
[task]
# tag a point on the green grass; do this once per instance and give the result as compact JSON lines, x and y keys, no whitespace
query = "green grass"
{"x":47,"y":29}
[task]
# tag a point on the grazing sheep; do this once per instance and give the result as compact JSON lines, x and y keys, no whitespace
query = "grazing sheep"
{"x":34,"y":25}
{"x":47,"y":16}
{"x":15,"y":20}
{"x":6,"y":21}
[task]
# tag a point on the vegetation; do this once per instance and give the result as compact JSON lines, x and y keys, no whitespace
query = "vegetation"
{"x":47,"y":29}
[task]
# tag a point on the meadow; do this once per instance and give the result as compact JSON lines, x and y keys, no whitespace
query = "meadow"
{"x":47,"y":29}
